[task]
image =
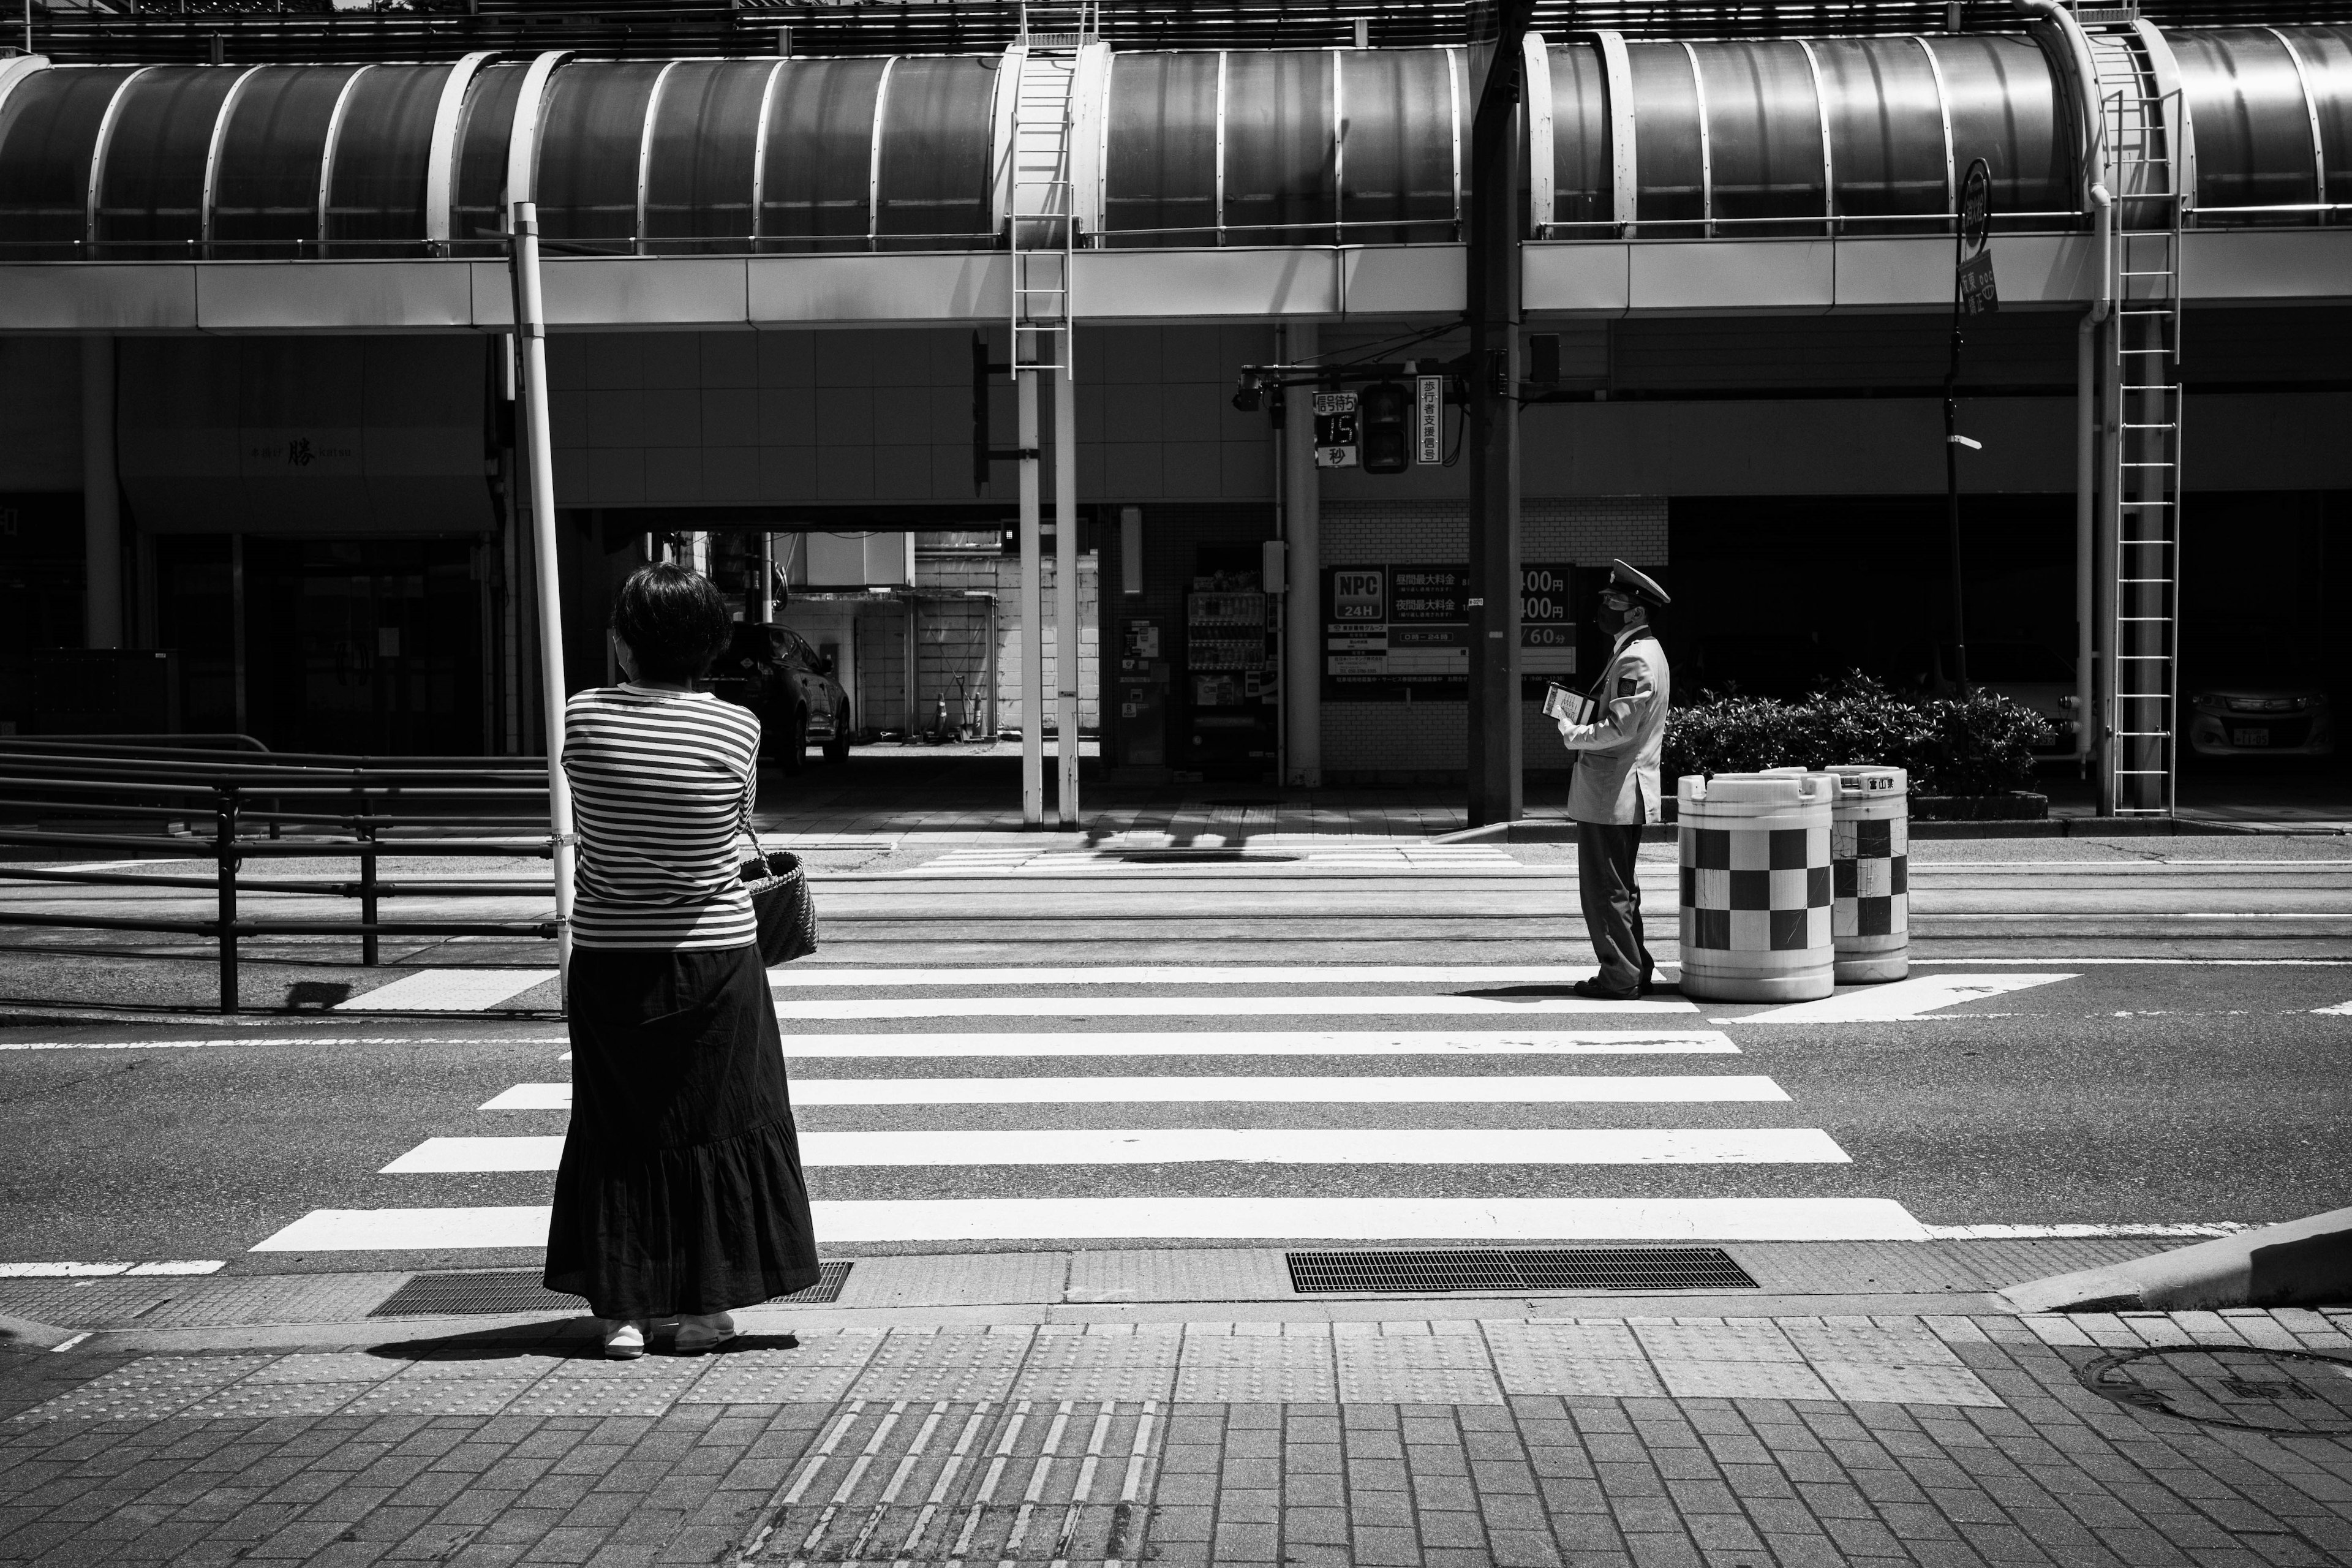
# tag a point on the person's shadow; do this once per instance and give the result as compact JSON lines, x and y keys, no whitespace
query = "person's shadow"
{"x":561,"y":1339}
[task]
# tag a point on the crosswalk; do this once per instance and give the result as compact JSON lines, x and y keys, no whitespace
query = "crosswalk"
{"x":1069,"y":1107}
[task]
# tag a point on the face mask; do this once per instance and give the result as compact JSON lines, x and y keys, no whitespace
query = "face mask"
{"x":1611,"y":618}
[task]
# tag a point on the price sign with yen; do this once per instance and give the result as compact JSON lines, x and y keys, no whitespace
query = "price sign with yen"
{"x":1976,"y":293}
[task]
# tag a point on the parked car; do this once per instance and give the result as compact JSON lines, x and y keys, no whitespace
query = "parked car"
{"x":2028,"y":674}
{"x":2242,"y":714}
{"x":771,"y":670}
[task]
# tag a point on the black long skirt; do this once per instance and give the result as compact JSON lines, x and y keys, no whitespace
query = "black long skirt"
{"x":680,"y":1187}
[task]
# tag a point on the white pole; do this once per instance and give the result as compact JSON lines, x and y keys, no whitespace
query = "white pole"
{"x":1068,"y":635}
{"x":538,"y":462}
{"x":1032,"y":618}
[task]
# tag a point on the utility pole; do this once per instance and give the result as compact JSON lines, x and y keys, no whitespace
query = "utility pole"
{"x":1494,"y":387}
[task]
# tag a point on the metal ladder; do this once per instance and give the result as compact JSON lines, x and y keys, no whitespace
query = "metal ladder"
{"x":1043,"y":209}
{"x":2145,"y":413}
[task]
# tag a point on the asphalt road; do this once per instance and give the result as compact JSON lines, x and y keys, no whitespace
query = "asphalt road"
{"x":2180,"y":1072}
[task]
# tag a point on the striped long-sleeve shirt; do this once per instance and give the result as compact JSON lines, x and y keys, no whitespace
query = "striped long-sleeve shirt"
{"x":661,"y":786}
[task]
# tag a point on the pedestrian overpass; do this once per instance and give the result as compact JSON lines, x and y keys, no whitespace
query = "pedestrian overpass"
{"x":2136,"y":170}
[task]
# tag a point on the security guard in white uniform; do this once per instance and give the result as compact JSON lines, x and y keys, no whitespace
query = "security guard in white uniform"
{"x":1616,"y":787}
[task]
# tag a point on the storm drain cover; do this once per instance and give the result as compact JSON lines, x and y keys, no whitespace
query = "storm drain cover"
{"x":502,"y":1291}
{"x":1507,"y":1270}
{"x":2252,"y":1390}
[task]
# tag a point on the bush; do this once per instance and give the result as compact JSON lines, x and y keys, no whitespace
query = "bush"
{"x":1982,"y":744}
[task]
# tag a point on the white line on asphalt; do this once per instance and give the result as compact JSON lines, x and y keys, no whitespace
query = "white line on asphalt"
{"x":67,"y":1343}
{"x":2341,"y":1009}
{"x":1210,"y":1006}
{"x":1451,"y":1220}
{"x":449,"y":990}
{"x":1485,"y":1089}
{"x":1902,"y":999}
{"x":288,"y":1038}
{"x":2079,"y":962}
{"x":2013,"y":916}
{"x":1245,"y":1145}
{"x":2063,"y":1232}
{"x":1182,"y":974}
{"x":1246,"y":1042}
{"x":1410,"y":1090}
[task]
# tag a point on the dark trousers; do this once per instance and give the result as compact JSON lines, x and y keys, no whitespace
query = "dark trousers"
{"x":1612,"y":902}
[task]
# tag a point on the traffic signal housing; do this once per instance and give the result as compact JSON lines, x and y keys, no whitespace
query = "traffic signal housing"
{"x":1384,"y":422}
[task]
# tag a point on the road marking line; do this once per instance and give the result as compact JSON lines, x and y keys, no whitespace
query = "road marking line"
{"x":2341,"y":1009}
{"x":1410,"y":1090}
{"x":1451,"y":1220}
{"x":1210,"y":1006}
{"x":2191,"y":962}
{"x":286,"y":1039}
{"x":1244,"y":1043}
{"x":1901,"y":999}
{"x":1200,"y":1145}
{"x":448,"y":990}
{"x":68,"y":1344}
{"x":1557,"y":974}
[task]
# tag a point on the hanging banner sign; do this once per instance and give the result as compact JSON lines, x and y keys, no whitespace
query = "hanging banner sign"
{"x":1335,"y":430}
{"x":1974,"y":289}
{"x":1428,"y":425}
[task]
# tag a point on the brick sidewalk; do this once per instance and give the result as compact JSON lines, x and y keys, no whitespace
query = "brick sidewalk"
{"x":1622,"y":1441}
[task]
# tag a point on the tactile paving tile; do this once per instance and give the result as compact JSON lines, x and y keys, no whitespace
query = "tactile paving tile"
{"x":1600,"y":1359}
{"x":85,"y":1303}
{"x":452,"y":1387}
{"x":645,"y":1387}
{"x":250,"y":1401}
{"x":1741,"y":1380}
{"x":273,"y":1299}
{"x":1258,"y":1368}
{"x":328,"y":1366}
{"x":951,"y":1363}
{"x":147,"y":1389}
{"x":1868,"y":1384}
{"x":1178,"y":1274}
{"x":1415,"y":1369}
{"x":1739,"y":1338}
{"x":819,"y":1372}
{"x":1109,"y":1362}
{"x":1859,"y":1340}
{"x":961,"y":1279}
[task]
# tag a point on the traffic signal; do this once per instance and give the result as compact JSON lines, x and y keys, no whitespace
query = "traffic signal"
{"x":1384,"y":421}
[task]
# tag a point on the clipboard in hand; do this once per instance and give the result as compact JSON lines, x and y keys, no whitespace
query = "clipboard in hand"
{"x":1571,"y":707}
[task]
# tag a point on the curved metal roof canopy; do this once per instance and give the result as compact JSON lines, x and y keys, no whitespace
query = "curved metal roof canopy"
{"x":1234,"y":148}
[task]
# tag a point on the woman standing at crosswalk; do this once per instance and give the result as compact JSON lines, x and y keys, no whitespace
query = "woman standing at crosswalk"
{"x":680,"y":1194}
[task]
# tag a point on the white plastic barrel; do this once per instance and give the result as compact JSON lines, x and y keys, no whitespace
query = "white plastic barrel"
{"x":1869,"y":847}
{"x":1756,"y":886}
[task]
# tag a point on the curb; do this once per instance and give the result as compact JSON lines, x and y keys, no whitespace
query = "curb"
{"x":2302,"y":1263}
{"x":1558,"y":831}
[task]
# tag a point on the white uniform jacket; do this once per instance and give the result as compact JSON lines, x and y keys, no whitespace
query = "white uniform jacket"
{"x":1617,"y":753}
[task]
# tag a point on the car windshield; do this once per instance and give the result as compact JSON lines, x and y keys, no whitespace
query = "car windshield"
{"x":2019,"y":661}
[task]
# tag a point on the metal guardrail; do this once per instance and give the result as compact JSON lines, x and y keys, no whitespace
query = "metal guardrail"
{"x":271,"y":806}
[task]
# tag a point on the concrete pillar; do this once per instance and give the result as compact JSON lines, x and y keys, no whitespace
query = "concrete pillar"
{"x":101,"y":497}
{"x":1302,"y":529}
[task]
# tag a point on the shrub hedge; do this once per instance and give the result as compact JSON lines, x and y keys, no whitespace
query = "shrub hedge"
{"x":1981,"y":744}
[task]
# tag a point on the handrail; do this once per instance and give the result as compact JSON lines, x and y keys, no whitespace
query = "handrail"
{"x":371,"y":812}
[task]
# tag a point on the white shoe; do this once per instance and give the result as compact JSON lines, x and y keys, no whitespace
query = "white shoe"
{"x":624,"y":1340}
{"x":698,"y":1334}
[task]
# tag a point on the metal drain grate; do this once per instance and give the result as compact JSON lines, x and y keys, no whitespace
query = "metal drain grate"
{"x":1507,"y":1271}
{"x":482,"y":1292}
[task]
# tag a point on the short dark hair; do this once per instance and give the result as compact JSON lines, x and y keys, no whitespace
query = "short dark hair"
{"x":673,"y":621}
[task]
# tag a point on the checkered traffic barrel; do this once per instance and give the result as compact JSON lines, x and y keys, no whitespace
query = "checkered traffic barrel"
{"x":1756,"y":886}
{"x":1869,"y":847}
